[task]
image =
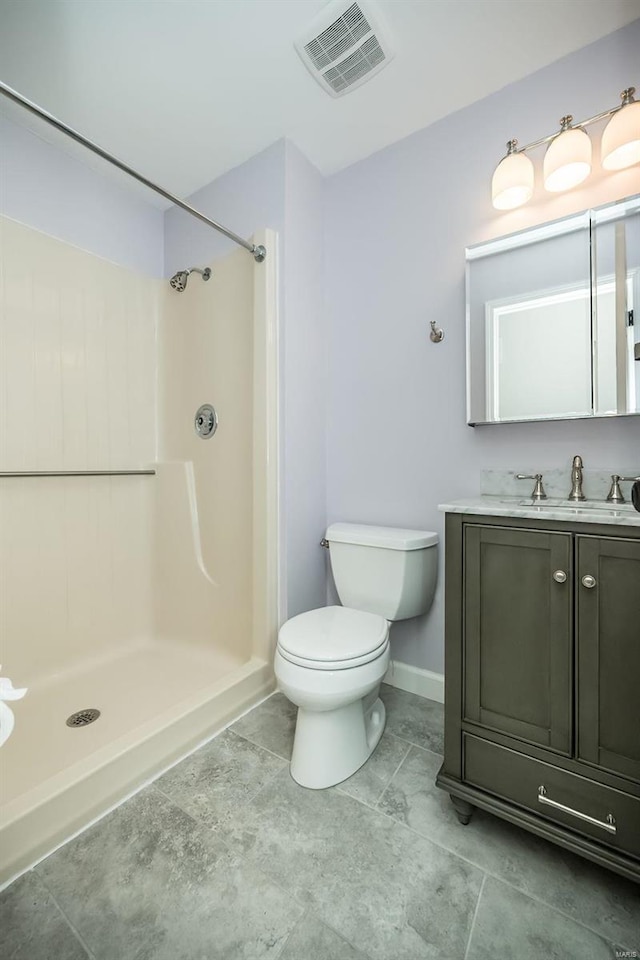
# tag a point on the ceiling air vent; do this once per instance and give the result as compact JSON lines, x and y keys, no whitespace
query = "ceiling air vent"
{"x":343,"y":47}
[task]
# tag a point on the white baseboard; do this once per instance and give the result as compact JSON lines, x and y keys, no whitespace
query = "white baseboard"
{"x":424,"y":683}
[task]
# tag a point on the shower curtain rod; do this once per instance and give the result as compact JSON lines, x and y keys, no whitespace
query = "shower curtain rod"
{"x":258,"y":251}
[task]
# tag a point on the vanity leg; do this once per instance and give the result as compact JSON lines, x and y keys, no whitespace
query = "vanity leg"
{"x":464,"y":810}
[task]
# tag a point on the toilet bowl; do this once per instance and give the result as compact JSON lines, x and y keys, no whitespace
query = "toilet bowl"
{"x":330,"y":662}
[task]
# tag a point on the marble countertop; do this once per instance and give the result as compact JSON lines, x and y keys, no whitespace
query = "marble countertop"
{"x":587,"y":511}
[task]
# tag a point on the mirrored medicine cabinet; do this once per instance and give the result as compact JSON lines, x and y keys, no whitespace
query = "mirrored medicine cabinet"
{"x":553,"y":319}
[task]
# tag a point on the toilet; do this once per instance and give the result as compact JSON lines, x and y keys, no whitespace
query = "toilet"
{"x":330,"y":661}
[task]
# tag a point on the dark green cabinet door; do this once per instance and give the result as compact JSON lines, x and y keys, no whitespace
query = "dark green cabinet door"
{"x":518,"y":603}
{"x":608,"y":631}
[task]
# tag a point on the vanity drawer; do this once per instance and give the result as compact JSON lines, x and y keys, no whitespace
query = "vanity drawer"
{"x":590,"y":808}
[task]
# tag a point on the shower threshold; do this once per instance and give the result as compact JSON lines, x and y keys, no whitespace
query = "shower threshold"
{"x":157,"y":701}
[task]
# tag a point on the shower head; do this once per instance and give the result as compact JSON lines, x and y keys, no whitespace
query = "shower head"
{"x":179,"y":280}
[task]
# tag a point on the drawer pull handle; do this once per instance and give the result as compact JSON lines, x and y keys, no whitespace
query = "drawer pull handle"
{"x":588,"y":581}
{"x":560,"y":576}
{"x":609,"y":824}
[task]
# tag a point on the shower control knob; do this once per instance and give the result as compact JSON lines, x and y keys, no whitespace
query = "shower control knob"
{"x":205,"y":421}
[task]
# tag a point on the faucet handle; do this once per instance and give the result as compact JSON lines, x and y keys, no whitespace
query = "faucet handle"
{"x":615,"y":494}
{"x":538,"y":490}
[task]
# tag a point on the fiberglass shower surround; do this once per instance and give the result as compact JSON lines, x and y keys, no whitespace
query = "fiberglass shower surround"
{"x":156,"y":611}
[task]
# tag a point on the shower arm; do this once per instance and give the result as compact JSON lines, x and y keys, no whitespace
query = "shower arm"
{"x":258,"y":251}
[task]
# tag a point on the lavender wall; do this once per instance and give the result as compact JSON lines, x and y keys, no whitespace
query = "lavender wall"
{"x":305,"y":384}
{"x":396,"y":226}
{"x":44,"y":187}
{"x":245,"y":199}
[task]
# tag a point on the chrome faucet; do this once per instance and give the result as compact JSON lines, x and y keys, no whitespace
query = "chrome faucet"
{"x":615,"y":493}
{"x":576,"y":480}
{"x":538,"y":490}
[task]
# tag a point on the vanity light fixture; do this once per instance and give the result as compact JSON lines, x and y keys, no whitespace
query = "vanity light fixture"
{"x":621,"y":137}
{"x":512,"y":183}
{"x":567,"y":161}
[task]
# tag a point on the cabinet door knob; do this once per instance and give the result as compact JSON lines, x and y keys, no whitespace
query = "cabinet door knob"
{"x":560,"y":576}
{"x":588,"y":581}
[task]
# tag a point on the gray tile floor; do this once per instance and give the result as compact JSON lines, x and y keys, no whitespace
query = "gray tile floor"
{"x":226,"y":858}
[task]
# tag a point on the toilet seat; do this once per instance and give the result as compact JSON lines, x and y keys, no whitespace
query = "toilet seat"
{"x":333,"y":664}
{"x":333,"y":638}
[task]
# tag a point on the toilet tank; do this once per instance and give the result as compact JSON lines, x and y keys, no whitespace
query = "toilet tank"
{"x":385,"y":570}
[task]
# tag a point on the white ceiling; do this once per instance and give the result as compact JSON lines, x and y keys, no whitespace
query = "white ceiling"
{"x":183,"y":90}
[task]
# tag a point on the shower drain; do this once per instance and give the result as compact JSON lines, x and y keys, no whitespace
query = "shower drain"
{"x":82,"y":717}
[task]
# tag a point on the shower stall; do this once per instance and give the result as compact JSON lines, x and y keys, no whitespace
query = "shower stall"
{"x":138,"y":535}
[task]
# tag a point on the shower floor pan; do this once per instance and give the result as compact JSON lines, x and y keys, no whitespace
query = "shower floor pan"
{"x":156,"y":702}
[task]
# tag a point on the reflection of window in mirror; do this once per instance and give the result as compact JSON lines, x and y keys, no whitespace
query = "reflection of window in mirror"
{"x":614,"y":384}
{"x":616,"y":266}
{"x":538,"y":355}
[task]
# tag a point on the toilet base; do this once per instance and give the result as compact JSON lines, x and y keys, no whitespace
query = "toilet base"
{"x":330,"y":746}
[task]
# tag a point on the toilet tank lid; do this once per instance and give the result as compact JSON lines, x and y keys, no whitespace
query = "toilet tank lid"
{"x":390,"y":538}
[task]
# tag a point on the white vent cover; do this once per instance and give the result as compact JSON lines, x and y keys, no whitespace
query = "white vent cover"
{"x":343,"y":47}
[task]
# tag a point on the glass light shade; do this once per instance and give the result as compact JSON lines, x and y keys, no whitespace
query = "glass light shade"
{"x":621,"y":138}
{"x":512,"y":183}
{"x":567,"y":161}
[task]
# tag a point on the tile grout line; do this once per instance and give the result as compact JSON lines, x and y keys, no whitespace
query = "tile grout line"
{"x":215,"y":831}
{"x":475,"y":915}
{"x":495,"y":876}
{"x":359,"y":950}
{"x":155,"y":788}
{"x":393,"y":776}
{"x":311,"y":914}
{"x":412,"y":743}
{"x":72,"y":927}
{"x":343,"y":793}
{"x":267,"y":876}
{"x":266,"y":783}
{"x":242,"y":736}
{"x":307,"y":909}
{"x":338,"y":786}
{"x":219,"y":823}
{"x":290,"y":934}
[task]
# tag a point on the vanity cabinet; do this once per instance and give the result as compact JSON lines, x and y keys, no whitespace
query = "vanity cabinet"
{"x":608,"y":654}
{"x":542,"y":706}
{"x":517,"y":633}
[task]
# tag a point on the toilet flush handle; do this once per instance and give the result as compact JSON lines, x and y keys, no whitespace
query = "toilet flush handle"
{"x":324,"y":543}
